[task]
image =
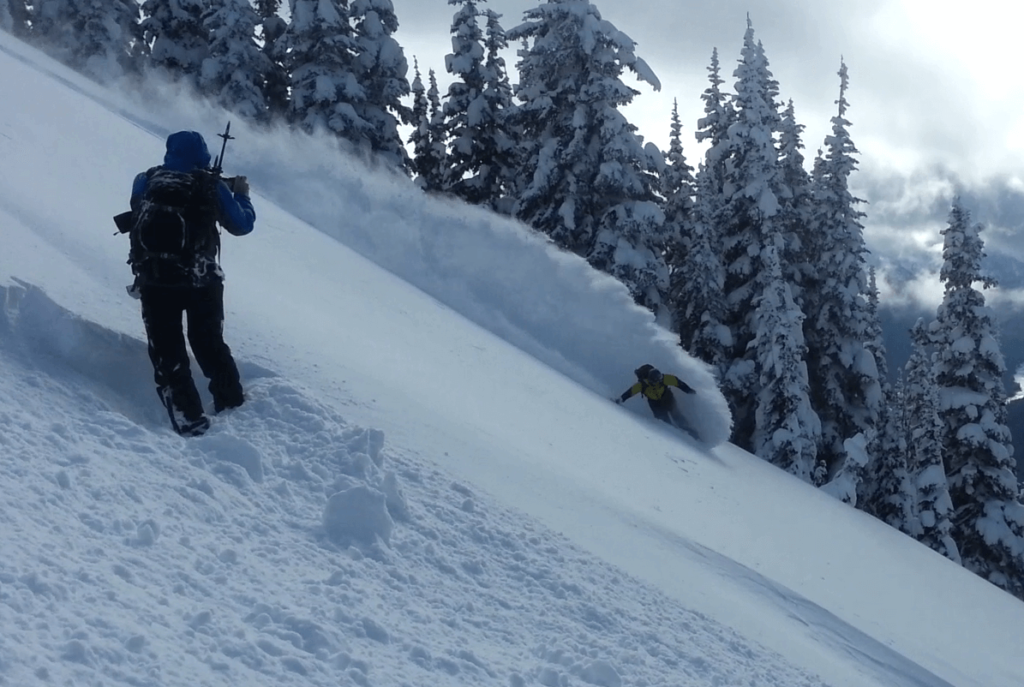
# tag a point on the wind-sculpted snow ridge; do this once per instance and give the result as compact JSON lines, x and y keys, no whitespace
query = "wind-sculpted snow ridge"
{"x":287,"y":547}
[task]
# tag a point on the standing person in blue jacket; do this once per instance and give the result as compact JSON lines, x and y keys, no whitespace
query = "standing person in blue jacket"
{"x":175,"y":246}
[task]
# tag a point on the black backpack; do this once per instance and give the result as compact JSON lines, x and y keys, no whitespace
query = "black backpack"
{"x":174,"y":232}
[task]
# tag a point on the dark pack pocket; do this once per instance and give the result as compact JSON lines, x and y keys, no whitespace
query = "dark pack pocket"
{"x":162,"y":232}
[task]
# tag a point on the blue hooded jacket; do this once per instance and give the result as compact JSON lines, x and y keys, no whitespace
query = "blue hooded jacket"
{"x":186,"y":151}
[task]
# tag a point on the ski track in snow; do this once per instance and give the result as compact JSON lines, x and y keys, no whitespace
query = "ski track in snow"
{"x":152,"y":539}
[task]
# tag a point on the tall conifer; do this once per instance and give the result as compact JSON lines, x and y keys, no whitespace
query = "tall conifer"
{"x":698,"y":291}
{"x":988,"y":519}
{"x":381,"y":70}
{"x":427,"y":137}
{"x":588,"y":180}
{"x":320,"y":49}
{"x":480,"y":149}
{"x":99,"y":39}
{"x":845,"y":385}
{"x":924,"y":435}
{"x":748,"y":219}
{"x":179,"y":41}
{"x":234,"y":72}
{"x":678,"y":188}
{"x":786,"y":430}
{"x":275,"y":83}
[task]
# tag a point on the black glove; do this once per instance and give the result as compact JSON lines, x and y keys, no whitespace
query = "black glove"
{"x":617,"y":399}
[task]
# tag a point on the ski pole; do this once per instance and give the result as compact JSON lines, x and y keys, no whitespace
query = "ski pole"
{"x":218,"y":165}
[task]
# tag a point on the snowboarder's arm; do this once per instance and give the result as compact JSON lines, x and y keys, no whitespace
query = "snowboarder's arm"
{"x":237,"y":214}
{"x":630,"y":393}
{"x":672,"y":380}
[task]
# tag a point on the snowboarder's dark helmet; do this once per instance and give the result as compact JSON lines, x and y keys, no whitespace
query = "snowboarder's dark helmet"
{"x":641,"y":372}
{"x":654,"y":375}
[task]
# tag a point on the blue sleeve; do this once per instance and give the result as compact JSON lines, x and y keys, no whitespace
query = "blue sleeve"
{"x":138,"y":188}
{"x":237,"y":213}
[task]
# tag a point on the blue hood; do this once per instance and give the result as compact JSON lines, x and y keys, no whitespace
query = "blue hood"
{"x":186,"y":150}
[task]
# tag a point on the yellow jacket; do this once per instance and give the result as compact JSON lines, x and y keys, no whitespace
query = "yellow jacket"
{"x":655,"y":392}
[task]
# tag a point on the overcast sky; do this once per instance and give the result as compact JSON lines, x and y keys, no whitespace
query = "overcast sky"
{"x":927,"y":85}
{"x":936,"y":96}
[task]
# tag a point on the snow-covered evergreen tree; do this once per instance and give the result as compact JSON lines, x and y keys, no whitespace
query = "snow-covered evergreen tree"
{"x":465,"y":63}
{"x":787,"y":430}
{"x":381,"y":69}
{"x":500,"y":175}
{"x":713,"y":127}
{"x":796,"y":206}
{"x":698,"y":292}
{"x":95,"y":37}
{"x":748,"y":216}
{"x":348,"y":73}
{"x":419,"y":139}
{"x":586,"y":175}
{"x":887,"y":490}
{"x":427,"y":137}
{"x":275,"y":83}
{"x":179,"y":41}
{"x":924,"y":432}
{"x":678,"y":188}
{"x":892,"y":495}
{"x":236,"y":69}
{"x":480,"y":154}
{"x":876,"y":338}
{"x":319,"y":46}
{"x":988,"y":521}
{"x":629,"y":247}
{"x":845,"y":386}
{"x":818,"y":169}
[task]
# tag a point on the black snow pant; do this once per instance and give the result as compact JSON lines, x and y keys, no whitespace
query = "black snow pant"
{"x":666,"y":410}
{"x":664,"y":407}
{"x":162,"y":309}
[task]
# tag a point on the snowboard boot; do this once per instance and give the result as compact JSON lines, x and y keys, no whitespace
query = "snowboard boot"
{"x":187,"y":417}
{"x":227,"y":402}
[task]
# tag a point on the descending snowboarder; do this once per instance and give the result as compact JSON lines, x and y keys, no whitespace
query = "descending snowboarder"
{"x":174,"y":248}
{"x":654,"y":386}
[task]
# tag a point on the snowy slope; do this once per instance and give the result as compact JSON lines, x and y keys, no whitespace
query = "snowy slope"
{"x":420,"y":354}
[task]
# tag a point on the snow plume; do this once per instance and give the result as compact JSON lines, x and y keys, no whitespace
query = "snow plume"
{"x":494,"y":271}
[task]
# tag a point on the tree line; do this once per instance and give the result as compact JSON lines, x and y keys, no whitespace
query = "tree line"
{"x":754,"y":258}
